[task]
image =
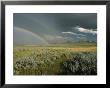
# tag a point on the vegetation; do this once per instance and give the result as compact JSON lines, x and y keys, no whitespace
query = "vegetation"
{"x":61,"y":59}
{"x":81,"y":64}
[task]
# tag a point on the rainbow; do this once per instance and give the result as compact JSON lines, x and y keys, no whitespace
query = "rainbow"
{"x":31,"y":33}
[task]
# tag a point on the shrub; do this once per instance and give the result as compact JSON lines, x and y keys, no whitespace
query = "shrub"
{"x":80,"y":64}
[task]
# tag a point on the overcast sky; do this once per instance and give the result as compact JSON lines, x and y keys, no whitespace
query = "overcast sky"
{"x":36,"y":28}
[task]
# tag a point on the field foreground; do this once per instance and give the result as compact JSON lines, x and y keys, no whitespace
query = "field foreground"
{"x":55,"y":60}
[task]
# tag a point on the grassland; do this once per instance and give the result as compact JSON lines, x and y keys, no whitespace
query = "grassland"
{"x":55,"y":59}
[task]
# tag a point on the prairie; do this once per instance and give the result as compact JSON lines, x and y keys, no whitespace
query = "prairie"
{"x":55,"y":59}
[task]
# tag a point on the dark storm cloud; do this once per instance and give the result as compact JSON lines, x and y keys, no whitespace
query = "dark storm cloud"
{"x":56,"y":21}
{"x":58,"y":26}
{"x":87,"y":20}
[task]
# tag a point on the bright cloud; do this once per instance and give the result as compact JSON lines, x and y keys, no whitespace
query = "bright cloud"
{"x":83,"y":30}
{"x":69,"y":33}
{"x":73,"y":33}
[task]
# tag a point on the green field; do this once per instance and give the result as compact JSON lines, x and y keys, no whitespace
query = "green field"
{"x":56,"y":59}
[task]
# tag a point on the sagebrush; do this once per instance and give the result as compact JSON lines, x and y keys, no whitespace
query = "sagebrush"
{"x":54,"y":61}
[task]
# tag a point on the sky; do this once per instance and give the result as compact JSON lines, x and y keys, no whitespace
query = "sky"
{"x":49,"y":28}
